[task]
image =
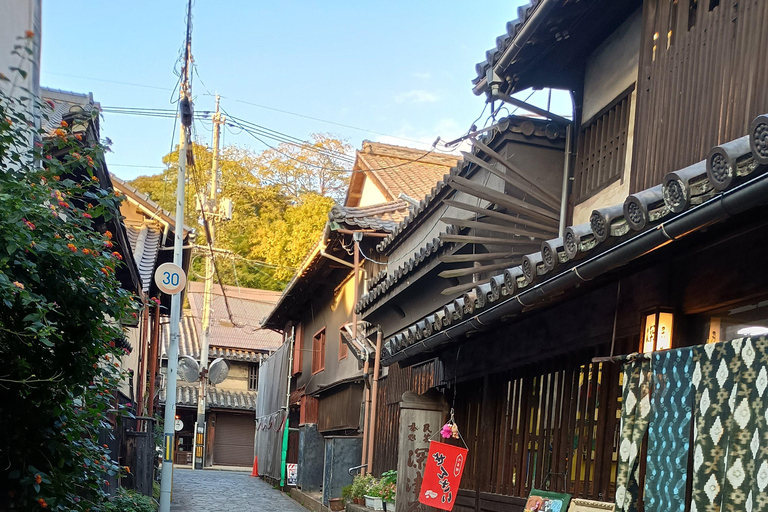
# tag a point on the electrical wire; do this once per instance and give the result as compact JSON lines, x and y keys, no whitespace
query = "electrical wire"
{"x":360,"y":249}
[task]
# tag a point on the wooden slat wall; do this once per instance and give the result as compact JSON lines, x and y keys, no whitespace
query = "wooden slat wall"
{"x":418,"y":379}
{"x":705,"y":89}
{"x":339,"y":409}
{"x":551,"y":426}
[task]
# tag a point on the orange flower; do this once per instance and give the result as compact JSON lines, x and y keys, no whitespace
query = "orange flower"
{"x":118,"y":194}
{"x":18,"y":285}
{"x":42,"y":503}
{"x":7,"y":120}
{"x":75,"y":154}
{"x":72,"y":247}
{"x":38,"y":478}
{"x":86,"y":250}
{"x":117,"y":255}
{"x":64,"y":123}
{"x":89,"y":161}
{"x":87,"y":216}
{"x":95,"y":365}
{"x":78,"y":136}
{"x":29,"y":34}
{"x":59,"y":132}
{"x":108,"y":244}
{"x":108,"y":234}
{"x":56,"y":235}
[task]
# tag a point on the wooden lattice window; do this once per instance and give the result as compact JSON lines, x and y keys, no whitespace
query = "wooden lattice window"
{"x":602,"y":148}
{"x":318,"y":351}
{"x":253,"y":377}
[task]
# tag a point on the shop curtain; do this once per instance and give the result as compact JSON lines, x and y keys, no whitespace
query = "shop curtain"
{"x":669,"y":430}
{"x":635,"y":415}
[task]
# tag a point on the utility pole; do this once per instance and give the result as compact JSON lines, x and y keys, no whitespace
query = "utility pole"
{"x":209,"y":213}
{"x":169,"y":430}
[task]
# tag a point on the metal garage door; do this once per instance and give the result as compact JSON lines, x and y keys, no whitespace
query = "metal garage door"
{"x":233,"y":443}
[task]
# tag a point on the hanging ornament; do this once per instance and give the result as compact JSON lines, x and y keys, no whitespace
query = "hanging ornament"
{"x":450,"y":429}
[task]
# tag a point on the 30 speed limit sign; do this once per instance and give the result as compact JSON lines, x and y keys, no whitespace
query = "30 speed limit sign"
{"x":170,"y":278}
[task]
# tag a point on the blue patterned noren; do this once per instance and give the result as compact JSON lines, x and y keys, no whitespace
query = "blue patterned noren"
{"x":669,"y":431}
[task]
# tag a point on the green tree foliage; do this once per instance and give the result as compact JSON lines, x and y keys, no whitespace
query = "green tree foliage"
{"x":281,"y":205}
{"x":60,"y":311}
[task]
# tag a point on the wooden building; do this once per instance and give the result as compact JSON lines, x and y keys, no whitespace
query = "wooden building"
{"x":316,"y":313}
{"x":230,"y":405}
{"x":503,"y":285}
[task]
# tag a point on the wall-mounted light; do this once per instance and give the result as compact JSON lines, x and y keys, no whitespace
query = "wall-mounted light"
{"x":657,"y":330}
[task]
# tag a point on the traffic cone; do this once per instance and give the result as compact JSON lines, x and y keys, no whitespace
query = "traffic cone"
{"x":255,"y":471}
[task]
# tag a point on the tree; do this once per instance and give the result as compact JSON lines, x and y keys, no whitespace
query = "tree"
{"x":60,"y":312}
{"x":281,"y":205}
{"x":299,"y":171}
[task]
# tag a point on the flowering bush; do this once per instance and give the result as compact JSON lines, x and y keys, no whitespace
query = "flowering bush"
{"x":60,"y":306}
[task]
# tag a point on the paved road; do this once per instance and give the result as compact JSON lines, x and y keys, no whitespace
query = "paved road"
{"x":226,"y":491}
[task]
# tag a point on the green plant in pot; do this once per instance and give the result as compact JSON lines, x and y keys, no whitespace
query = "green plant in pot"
{"x":359,"y":486}
{"x":373,"y":495}
{"x":389,"y":489}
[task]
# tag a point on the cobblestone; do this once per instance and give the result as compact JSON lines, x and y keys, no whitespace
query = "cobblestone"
{"x":226,"y":491}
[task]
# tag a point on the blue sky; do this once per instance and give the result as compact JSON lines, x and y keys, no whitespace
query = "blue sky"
{"x":399,"y":68}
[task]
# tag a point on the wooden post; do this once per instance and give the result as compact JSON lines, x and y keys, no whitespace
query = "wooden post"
{"x":154,"y":343}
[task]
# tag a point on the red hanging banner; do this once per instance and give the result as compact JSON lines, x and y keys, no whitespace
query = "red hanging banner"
{"x":442,"y":475}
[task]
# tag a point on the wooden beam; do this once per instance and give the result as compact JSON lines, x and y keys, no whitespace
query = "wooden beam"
{"x":515,"y":170}
{"x":516,"y":182}
{"x":470,"y":239}
{"x":461,"y":258}
{"x":512,"y":203}
{"x":497,"y":215}
{"x":496,"y":228}
{"x":477,"y":270}
{"x":461,"y":288}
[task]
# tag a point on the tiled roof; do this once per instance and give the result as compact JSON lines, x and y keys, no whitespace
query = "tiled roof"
{"x":249,"y":307}
{"x":503,"y":42}
{"x":65,"y":102}
{"x":151,"y":208}
{"x":186,"y":395}
{"x":380,"y":217}
{"x":514,"y":124}
{"x":145,"y":241}
{"x":649,"y":212}
{"x":400,"y":170}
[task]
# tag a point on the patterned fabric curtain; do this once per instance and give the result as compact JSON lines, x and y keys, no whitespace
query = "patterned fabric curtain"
{"x":669,"y":431}
{"x":730,"y":458}
{"x":635,"y":414}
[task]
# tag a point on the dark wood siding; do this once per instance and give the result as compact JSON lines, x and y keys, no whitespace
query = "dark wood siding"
{"x":234,"y":439}
{"x":419,"y":379}
{"x":550,"y":426}
{"x":298,"y":352}
{"x":602,"y":148}
{"x":308,"y":410}
{"x":704,"y":89}
{"x":339,"y":408}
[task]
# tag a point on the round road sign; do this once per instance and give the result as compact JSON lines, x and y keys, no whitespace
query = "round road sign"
{"x":178,"y":425}
{"x":170,"y":278}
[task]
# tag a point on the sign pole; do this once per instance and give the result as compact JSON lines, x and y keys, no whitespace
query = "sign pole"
{"x":173,"y":282}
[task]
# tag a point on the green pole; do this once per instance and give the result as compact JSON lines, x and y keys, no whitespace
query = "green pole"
{"x":285,"y":452}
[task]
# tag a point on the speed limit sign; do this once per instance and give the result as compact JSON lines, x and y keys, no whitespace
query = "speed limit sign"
{"x":170,"y":278}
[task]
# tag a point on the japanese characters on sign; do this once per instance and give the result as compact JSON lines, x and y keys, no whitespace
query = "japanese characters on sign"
{"x":442,"y":475}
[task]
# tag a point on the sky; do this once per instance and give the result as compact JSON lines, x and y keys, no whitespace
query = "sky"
{"x":397,"y":71}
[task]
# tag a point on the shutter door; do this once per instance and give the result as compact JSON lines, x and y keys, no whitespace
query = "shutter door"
{"x":233,"y":444}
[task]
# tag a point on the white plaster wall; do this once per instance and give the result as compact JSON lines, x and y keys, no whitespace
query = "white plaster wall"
{"x":131,"y":361}
{"x":617,"y":191}
{"x":612,"y":67}
{"x":371,"y":194}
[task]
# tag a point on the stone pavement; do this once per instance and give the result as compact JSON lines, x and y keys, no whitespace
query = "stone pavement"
{"x":226,"y":491}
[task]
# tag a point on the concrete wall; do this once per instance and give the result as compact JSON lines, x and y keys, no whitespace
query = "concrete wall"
{"x":18,"y":16}
{"x":311,"y":455}
{"x":341,"y":453}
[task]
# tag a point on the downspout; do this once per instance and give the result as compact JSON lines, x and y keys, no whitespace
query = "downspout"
{"x":724,"y":205}
{"x":566,"y":180}
{"x":374,"y":392}
{"x":284,"y":456}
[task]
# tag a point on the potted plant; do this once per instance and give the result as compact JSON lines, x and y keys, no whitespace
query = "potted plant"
{"x":373,"y":495}
{"x":389,"y":489}
{"x":346,"y":493}
{"x":359,"y":486}
{"x":336,"y":504}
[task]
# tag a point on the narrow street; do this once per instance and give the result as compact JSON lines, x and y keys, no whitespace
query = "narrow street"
{"x":226,"y":491}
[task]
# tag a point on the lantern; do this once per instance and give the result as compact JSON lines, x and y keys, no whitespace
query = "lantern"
{"x":657,"y":330}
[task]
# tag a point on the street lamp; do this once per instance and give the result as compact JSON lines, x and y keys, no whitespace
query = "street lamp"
{"x":657,"y":330}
